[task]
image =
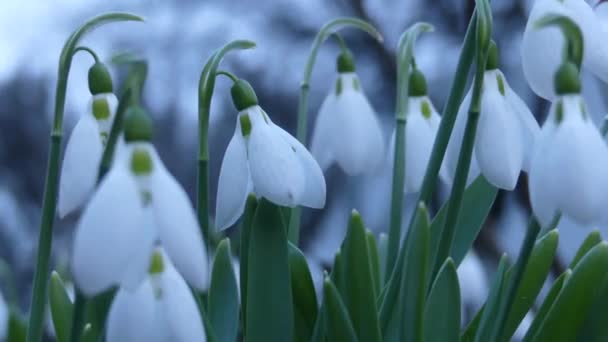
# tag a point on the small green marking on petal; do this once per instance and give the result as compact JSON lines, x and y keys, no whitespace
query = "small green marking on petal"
{"x":141,"y":162}
{"x":501,"y":84}
{"x":356,"y":84}
{"x":339,"y":86}
{"x":146,"y":197}
{"x":157,"y":265}
{"x":583,"y":108}
{"x":425,"y":108}
{"x":559,"y":112}
{"x":245,"y":125}
{"x":104,"y":137}
{"x":265,"y":116}
{"x":101,"y":109}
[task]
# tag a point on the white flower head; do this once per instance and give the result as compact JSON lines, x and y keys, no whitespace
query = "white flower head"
{"x":264,"y":159}
{"x":542,"y":49}
{"x":506,"y":132}
{"x":137,"y":204}
{"x":83,"y":153}
{"x":161,"y":309}
{"x":347,"y":130}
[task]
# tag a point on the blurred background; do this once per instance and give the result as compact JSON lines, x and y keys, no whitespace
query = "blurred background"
{"x":177,"y":38}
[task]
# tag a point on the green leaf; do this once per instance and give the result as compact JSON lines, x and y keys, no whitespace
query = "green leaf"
{"x":17,"y":327}
{"x":358,"y":282}
{"x":492,"y":303}
{"x":88,"y":334}
{"x":337,"y":272}
{"x":223,"y":304}
{"x":382,"y":253}
{"x":476,"y":204}
{"x":471,"y":330}
{"x":442,"y":311}
{"x":546,"y":305}
{"x":591,"y":241}
{"x":269,"y":312}
{"x":568,"y":312}
{"x":247,"y":223}
{"x":374,"y":261}
{"x":595,"y":328}
{"x":61,"y":308}
{"x":304,"y":296}
{"x":97,"y":309}
{"x":535,"y":274}
{"x":339,"y":325}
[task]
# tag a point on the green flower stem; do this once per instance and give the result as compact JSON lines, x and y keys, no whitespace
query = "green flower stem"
{"x":483,"y":33}
{"x":205,"y":93}
{"x":89,"y":51}
{"x":604,"y":127}
{"x":49,"y":202}
{"x":404,"y":60}
{"x":327,"y":30}
{"x":341,"y":42}
{"x":228,"y":74}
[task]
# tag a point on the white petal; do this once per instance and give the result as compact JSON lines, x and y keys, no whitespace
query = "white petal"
{"x":109,"y":230}
{"x":105,"y":126}
{"x":275,"y":169}
{"x":133,"y":316}
{"x":499,"y":148}
{"x":314,"y":189}
{"x":359,"y":145}
{"x":178,"y":227}
{"x":234,"y":183}
{"x":594,"y":29}
{"x":529,"y":127}
{"x":179,"y":308}
{"x":323,"y":136}
{"x":139,"y":261}
{"x":80,"y":165}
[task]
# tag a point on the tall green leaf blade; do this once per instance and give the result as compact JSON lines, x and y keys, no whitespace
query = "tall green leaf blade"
{"x":442,"y":311}
{"x":374,"y":261}
{"x":571,"y":306}
{"x":16,"y":328}
{"x":339,"y":325}
{"x":593,"y":239}
{"x":595,"y":328}
{"x":471,"y":330}
{"x":250,"y":208}
{"x":358,"y":284}
{"x":304,"y":296}
{"x":223,"y":298}
{"x":493,"y":303}
{"x":61,"y":308}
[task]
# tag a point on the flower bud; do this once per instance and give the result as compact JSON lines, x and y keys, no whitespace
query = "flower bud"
{"x":243,"y":95}
{"x":567,"y":80}
{"x":100,"y":80}
{"x":345,"y":62}
{"x":417,"y":85}
{"x":138,"y":126}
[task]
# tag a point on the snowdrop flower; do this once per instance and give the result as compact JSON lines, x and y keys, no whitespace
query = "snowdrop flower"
{"x":506,"y":131}
{"x":570,"y":163}
{"x":137,"y":204}
{"x":161,"y":309}
{"x":85,"y":145}
{"x":264,"y":159}
{"x":542,"y":49}
{"x":420,"y":131}
{"x":347,"y":130}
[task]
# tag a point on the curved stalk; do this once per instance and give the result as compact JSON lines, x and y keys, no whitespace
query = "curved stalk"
{"x":89,"y":51}
{"x":49,"y":202}
{"x":327,"y":30}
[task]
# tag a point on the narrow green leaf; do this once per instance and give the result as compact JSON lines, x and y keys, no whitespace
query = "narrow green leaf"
{"x":247,"y":223}
{"x":442,"y":311}
{"x":359,"y":289}
{"x":61,"y":308}
{"x":304,"y":296}
{"x":339,"y":325}
{"x":374,"y":261}
{"x":561,"y":324}
{"x":88,"y":334}
{"x":223,"y":299}
{"x":17,"y":327}
{"x":539,"y":266}
{"x":595,"y":328}
{"x":493,"y":303}
{"x":97,"y":309}
{"x":270,"y":311}
{"x":382,"y":253}
{"x":546,"y":305}
{"x":591,"y":241}
{"x":476,"y":204}
{"x":471,"y":330}
{"x":337,"y":272}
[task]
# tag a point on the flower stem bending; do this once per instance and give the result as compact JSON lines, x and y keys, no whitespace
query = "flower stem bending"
{"x":327,"y":30}
{"x":49,"y":202}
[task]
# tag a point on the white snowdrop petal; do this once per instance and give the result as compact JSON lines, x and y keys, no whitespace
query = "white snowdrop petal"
{"x":529,"y":127}
{"x":139,"y":262}
{"x":105,"y":125}
{"x":360,"y":146}
{"x":276,"y":172}
{"x":324,"y":133}
{"x":419,"y":138}
{"x":234,"y":183}
{"x":178,"y":228}
{"x":179,"y":308}
{"x":594,"y":28}
{"x":314,"y":189}
{"x":80,"y":165}
{"x":133,"y":316}
{"x":108,"y":231}
{"x":499,"y":149}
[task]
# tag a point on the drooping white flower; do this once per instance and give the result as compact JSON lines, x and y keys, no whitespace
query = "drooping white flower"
{"x":542,"y":49}
{"x":161,"y":308}
{"x":264,"y":159}
{"x":347,"y":130}
{"x":570,"y":164}
{"x":506,"y":133}
{"x":83,"y":153}
{"x":137,"y":204}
